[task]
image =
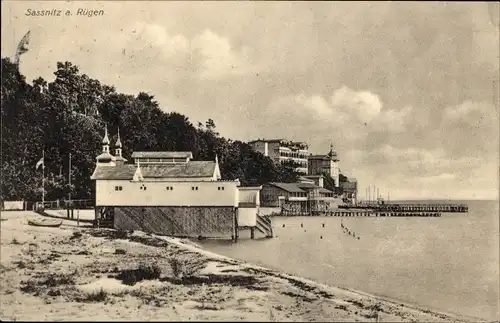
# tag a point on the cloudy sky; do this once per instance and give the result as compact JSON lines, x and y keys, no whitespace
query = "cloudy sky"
{"x":406,"y":92}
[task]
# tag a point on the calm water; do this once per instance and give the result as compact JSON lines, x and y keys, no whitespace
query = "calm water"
{"x":449,"y":263}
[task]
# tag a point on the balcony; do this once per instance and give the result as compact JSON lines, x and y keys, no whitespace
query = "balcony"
{"x":302,"y":170}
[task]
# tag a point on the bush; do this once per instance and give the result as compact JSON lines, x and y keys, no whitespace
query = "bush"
{"x":144,"y":272}
{"x":98,"y":296}
{"x":20,"y":264}
{"x":120,"y":234}
{"x":30,"y":286}
{"x":54,"y":280}
{"x":76,"y":235}
{"x":180,"y":268}
{"x":176,"y":267}
{"x":120,"y":251}
{"x":14,"y":241}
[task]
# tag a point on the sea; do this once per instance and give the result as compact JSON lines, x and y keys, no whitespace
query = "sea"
{"x":448,"y":263}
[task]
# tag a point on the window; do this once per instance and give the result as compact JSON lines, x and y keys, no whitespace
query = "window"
{"x":194,"y":188}
{"x":220,"y":188}
{"x":170,"y":188}
{"x":118,"y":188}
{"x":143,"y":187}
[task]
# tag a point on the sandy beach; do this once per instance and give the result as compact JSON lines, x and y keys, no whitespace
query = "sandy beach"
{"x":82,"y":273}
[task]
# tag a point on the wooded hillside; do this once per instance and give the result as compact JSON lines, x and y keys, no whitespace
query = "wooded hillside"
{"x":68,"y":116}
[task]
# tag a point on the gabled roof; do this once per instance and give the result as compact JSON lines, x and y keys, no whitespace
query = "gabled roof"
{"x":162,"y":154}
{"x":193,"y":169}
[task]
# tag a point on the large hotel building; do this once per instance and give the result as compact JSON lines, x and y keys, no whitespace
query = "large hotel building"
{"x":281,"y":150}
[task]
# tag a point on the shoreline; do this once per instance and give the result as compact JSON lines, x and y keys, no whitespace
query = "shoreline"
{"x":309,"y":281}
{"x":233,"y":289}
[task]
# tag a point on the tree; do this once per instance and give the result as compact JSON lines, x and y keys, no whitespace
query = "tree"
{"x":342,"y":178}
{"x":68,"y":116}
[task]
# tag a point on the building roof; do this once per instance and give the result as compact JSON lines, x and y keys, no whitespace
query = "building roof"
{"x":303,"y":179}
{"x":266,"y":140}
{"x":307,"y":185}
{"x":281,"y":141}
{"x":105,"y":157}
{"x":318,"y":157}
{"x":120,"y":158}
{"x":299,"y":187}
{"x":289,"y":187}
{"x":313,"y":176}
{"x":348,"y":185}
{"x":162,"y":154}
{"x":193,"y":169}
{"x":250,"y":188}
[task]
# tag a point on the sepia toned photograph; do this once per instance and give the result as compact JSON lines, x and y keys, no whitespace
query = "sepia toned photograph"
{"x":271,"y":161}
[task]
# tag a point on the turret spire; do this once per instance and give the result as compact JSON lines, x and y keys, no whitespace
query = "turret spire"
{"x":138,"y":173}
{"x":118,"y":142}
{"x":105,"y":141}
{"x":105,"y":158}
{"x":217,"y":175}
{"x":118,"y":150}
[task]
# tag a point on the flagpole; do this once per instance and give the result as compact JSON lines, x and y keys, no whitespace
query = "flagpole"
{"x":43,"y":179}
{"x":69,"y":175}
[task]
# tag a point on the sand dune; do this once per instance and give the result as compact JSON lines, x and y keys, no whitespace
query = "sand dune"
{"x":81,"y":273}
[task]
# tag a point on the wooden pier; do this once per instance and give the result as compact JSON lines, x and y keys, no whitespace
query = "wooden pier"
{"x":419,"y":208}
{"x":365,"y":213}
{"x":380,"y":214}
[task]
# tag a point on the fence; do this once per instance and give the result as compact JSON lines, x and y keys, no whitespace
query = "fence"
{"x":13,"y":205}
{"x":65,"y":204}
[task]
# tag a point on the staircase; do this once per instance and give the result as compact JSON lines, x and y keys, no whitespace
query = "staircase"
{"x":263,"y":224}
{"x":105,"y":217}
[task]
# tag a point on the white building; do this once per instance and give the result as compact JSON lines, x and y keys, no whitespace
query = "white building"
{"x":281,"y":150}
{"x":169,"y":193}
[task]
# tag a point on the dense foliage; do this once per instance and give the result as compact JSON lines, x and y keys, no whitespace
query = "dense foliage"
{"x":68,"y":116}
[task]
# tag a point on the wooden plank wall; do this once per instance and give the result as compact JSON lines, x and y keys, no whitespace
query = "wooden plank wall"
{"x":209,"y":222}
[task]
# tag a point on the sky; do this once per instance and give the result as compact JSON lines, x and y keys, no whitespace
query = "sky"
{"x":406,"y":92}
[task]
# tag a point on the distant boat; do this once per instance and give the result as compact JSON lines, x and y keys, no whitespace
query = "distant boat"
{"x":45,"y":223}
